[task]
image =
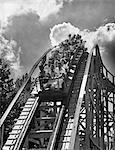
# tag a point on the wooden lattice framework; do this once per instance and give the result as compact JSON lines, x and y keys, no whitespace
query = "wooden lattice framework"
{"x":96,"y":126}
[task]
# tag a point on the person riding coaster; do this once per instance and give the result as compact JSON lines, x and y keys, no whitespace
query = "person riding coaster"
{"x":54,"y":83}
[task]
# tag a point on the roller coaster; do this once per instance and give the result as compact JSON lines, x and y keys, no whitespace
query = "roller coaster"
{"x":81,"y":116}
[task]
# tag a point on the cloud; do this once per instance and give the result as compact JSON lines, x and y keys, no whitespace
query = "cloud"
{"x":10,"y":9}
{"x":43,"y":8}
{"x":60,"y":32}
{"x":31,"y":35}
{"x":104,"y":36}
{"x":8,"y":53}
{"x":106,"y":33}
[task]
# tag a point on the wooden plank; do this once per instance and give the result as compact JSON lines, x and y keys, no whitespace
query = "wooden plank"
{"x":22,"y":117}
{"x":31,"y":99}
{"x":10,"y":142}
{"x":26,"y":109}
{"x":13,"y":137}
{"x":23,"y":113}
{"x":20,"y":122}
{"x":40,"y":134}
{"x":17,"y":127}
{"x":41,"y":131}
{"x":45,"y":118}
{"x":14,"y":132}
{"x":29,"y":102}
{"x":7,"y":148}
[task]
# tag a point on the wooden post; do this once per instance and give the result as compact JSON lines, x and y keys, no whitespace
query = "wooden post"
{"x":114,"y":116}
{"x":97,"y":116}
{"x":102,"y":122}
{"x":1,"y":136}
{"x":88,"y":119}
{"x":107,"y":119}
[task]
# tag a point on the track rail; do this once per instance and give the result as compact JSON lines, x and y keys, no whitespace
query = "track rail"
{"x":79,"y":102}
{"x":67,"y":132}
{"x":20,"y":127}
{"x":53,"y":140}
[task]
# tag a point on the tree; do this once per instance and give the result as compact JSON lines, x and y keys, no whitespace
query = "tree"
{"x":6,"y":86}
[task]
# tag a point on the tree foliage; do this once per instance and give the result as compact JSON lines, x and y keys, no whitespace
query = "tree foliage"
{"x":6,"y":86}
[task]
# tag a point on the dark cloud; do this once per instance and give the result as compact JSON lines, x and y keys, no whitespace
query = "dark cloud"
{"x":87,"y":13}
{"x":31,"y":35}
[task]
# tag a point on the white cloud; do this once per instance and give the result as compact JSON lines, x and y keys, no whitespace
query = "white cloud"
{"x":102,"y":36}
{"x":106,"y":33}
{"x":60,"y":32}
{"x":8,"y":53}
{"x":43,"y":8}
{"x":10,"y":8}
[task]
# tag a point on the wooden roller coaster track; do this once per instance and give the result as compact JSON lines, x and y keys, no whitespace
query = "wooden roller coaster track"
{"x":83,"y":119}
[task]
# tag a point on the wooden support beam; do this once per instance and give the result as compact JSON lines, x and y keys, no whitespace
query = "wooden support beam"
{"x":107,"y":119}
{"x":98,"y":98}
{"x":45,"y":118}
{"x":88,"y":119}
{"x":34,"y":141}
{"x":48,"y":107}
{"x":1,"y":136}
{"x":102,"y":122}
{"x":40,"y":134}
{"x":114,"y":121}
{"x":113,"y":115}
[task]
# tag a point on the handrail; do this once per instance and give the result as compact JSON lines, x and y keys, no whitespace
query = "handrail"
{"x":22,"y":88}
{"x":97,"y":49}
{"x":80,"y":99}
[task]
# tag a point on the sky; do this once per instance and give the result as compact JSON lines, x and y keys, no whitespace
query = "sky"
{"x":32,"y":25}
